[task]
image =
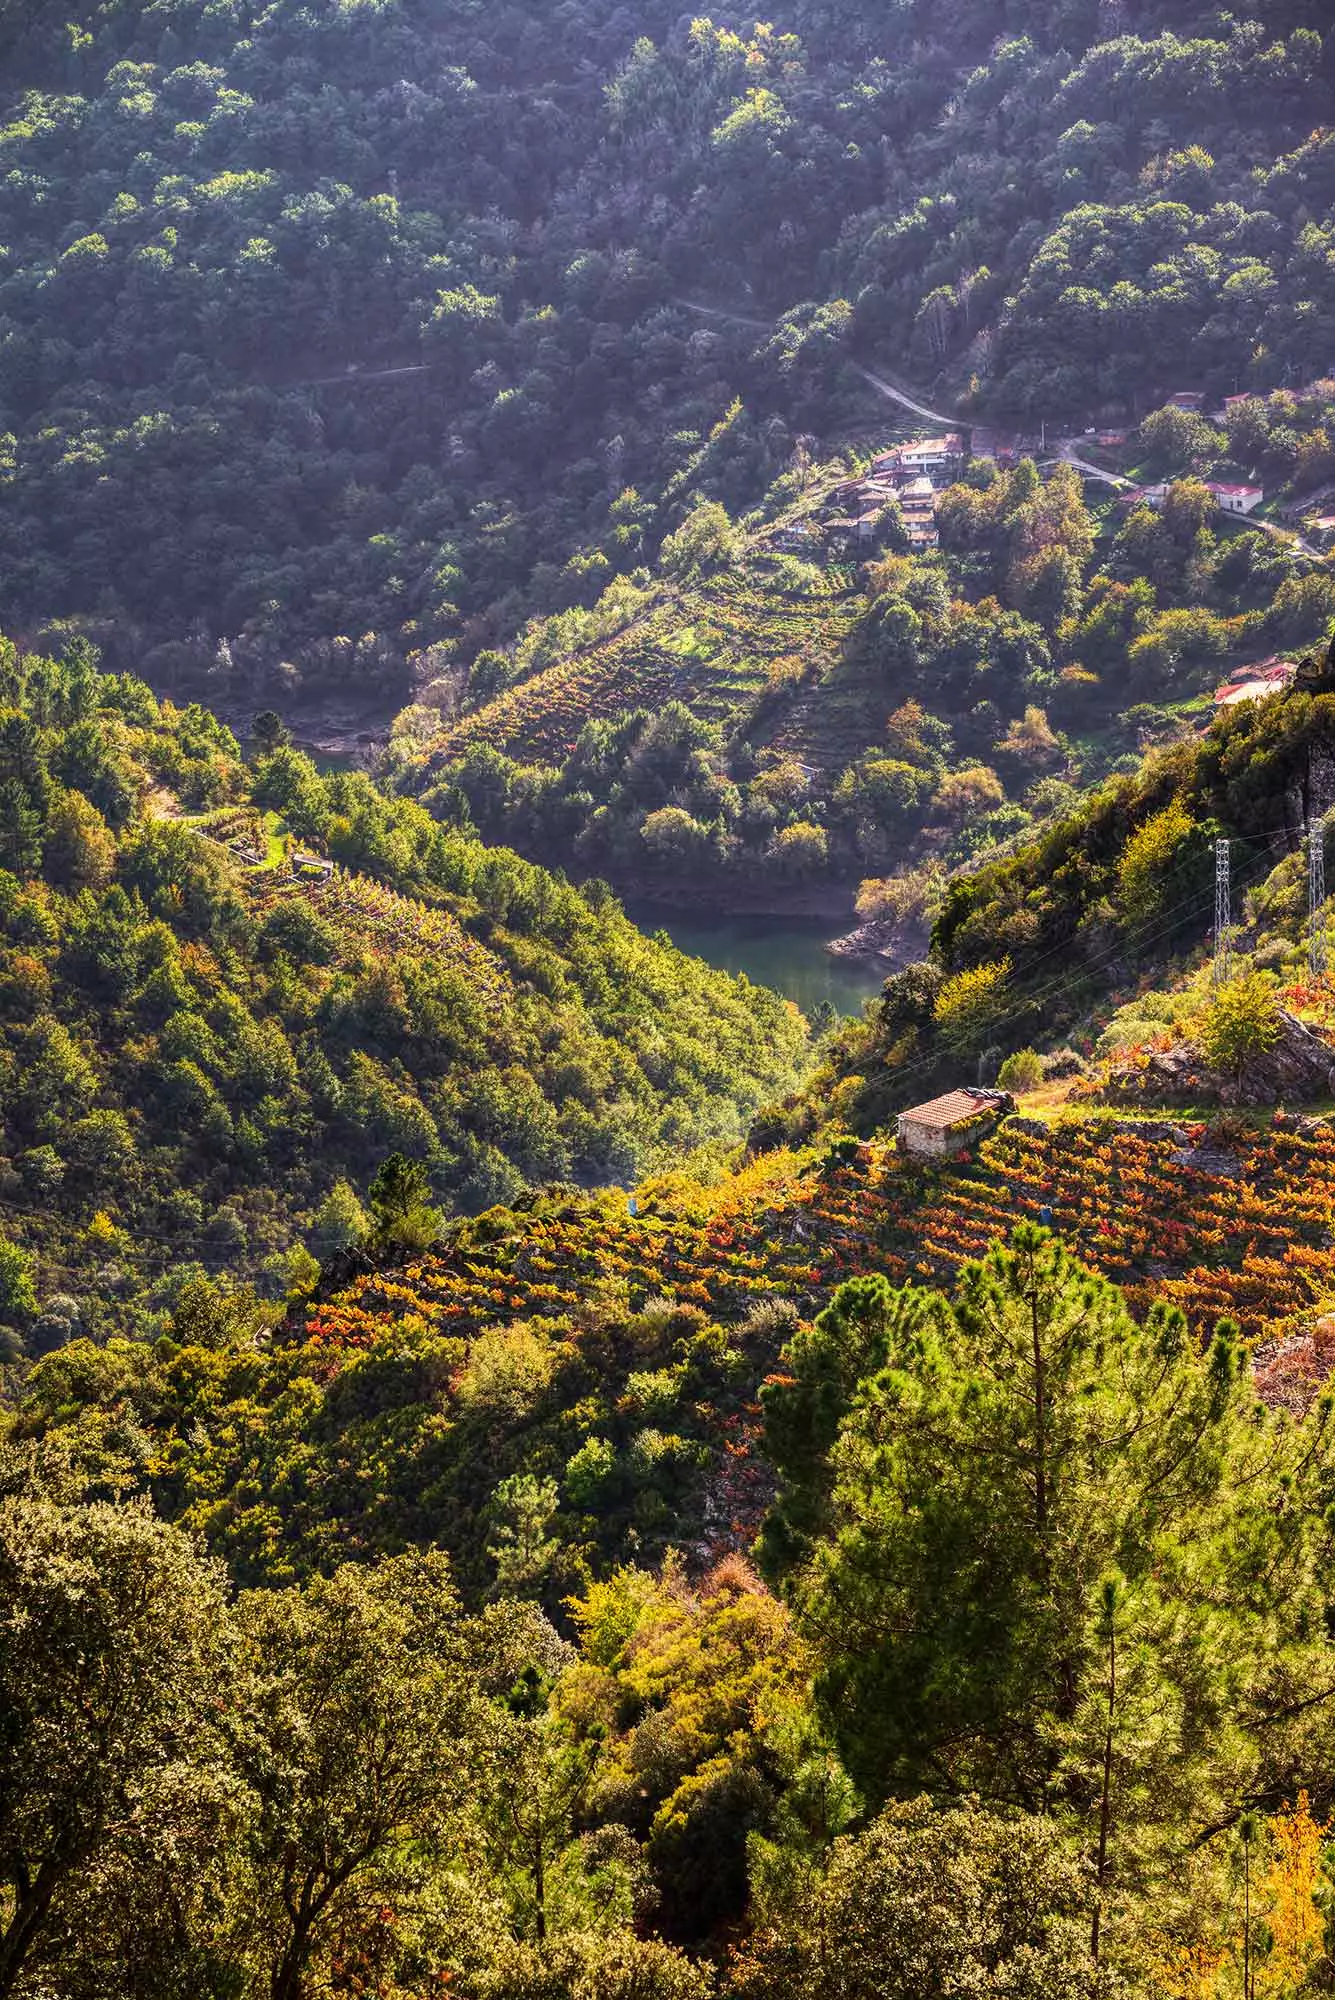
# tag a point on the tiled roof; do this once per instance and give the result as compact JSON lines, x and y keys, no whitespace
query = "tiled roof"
{"x":954,"y":1108}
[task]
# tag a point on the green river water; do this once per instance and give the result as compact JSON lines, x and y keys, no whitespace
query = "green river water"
{"x":787,"y":953}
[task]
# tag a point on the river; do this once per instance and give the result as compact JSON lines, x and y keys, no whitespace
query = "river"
{"x":786,"y":953}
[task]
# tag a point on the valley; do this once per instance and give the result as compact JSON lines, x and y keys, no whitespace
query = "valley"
{"x":667,"y":1029}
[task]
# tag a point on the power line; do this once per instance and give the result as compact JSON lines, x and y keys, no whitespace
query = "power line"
{"x":1138,"y":939}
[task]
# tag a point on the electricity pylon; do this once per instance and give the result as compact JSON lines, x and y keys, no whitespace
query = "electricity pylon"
{"x":1316,"y":895}
{"x":1223,"y":915}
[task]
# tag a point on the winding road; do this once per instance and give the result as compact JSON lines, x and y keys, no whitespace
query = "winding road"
{"x":891,"y":390}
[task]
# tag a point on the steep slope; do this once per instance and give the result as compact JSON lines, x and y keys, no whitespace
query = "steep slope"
{"x":205,"y":1030}
{"x":797,"y":702}
{"x":1112,"y":898}
{"x":616,"y":1351}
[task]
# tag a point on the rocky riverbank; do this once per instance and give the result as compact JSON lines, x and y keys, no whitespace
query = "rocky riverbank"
{"x":897,"y":944}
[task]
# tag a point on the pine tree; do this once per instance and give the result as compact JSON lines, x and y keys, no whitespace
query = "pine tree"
{"x":1012,"y":1448}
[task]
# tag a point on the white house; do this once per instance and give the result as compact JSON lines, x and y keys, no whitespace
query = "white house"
{"x":931,"y":454}
{"x":1236,"y":499}
{"x":918,"y":495}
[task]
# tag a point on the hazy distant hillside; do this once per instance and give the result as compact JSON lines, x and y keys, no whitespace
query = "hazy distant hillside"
{"x":221,"y":226}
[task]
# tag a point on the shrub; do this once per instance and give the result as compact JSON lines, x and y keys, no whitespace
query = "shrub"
{"x":1022,"y":1071}
{"x":968,"y":1004}
{"x":1242,"y":1022}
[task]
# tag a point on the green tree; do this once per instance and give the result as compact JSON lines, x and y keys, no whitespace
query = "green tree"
{"x":78,"y":851}
{"x":358,"y":1751}
{"x":400,"y":1204}
{"x":1018,"y":1443}
{"x":928,"y":1902}
{"x":117,"y":1675}
{"x":1151,"y":863}
{"x":1241,"y":1022}
{"x":1021,"y":1071}
{"x":268,"y":732}
{"x":969,"y":1004}
{"x":799,"y":851}
{"x":338,"y":1223}
{"x":20,"y":829}
{"x":213,"y":1313}
{"x":705,"y":541}
{"x":524,"y":1549}
{"x":18,"y":1292}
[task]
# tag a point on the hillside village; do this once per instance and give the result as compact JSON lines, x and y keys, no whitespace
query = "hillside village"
{"x":894,"y":502}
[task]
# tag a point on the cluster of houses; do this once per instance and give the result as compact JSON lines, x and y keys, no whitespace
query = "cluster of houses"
{"x":855,"y":524}
{"x":911,"y":475}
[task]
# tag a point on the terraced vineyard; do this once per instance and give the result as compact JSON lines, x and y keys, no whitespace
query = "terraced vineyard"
{"x":366,"y":915}
{"x":713,"y":647}
{"x":1246,"y":1233}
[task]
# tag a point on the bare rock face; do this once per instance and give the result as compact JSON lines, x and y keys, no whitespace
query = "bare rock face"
{"x":1300,"y":1067}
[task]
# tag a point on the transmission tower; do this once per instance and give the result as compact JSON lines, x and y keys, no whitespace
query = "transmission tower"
{"x":1223,"y":916}
{"x":1316,"y":895}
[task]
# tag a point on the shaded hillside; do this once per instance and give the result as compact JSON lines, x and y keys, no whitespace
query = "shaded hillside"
{"x":797,"y":701}
{"x":333,"y":340}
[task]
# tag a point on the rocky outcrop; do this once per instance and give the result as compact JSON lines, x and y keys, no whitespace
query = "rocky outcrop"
{"x":1299,"y":1067}
{"x":898,"y":944}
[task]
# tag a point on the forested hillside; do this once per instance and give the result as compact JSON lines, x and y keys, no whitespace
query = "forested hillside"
{"x":760,"y":723}
{"x":1113,"y":900}
{"x":225,"y":228}
{"x":212,"y":1038}
{"x":529,"y":1469}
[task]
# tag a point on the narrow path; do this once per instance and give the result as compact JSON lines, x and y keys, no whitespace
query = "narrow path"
{"x":891,"y":390}
{"x":351,"y":376}
{"x":905,"y":400}
{"x":1091,"y":471}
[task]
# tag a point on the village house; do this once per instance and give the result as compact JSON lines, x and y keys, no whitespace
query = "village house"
{"x":917,"y":495}
{"x":942,"y":1127}
{"x":931,"y":454}
{"x":917,"y":502}
{"x":852,"y":532}
{"x":1235,"y":499}
{"x":799,"y":538}
{"x":1190,"y":400}
{"x":997,"y":447}
{"x":1255,"y":682}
